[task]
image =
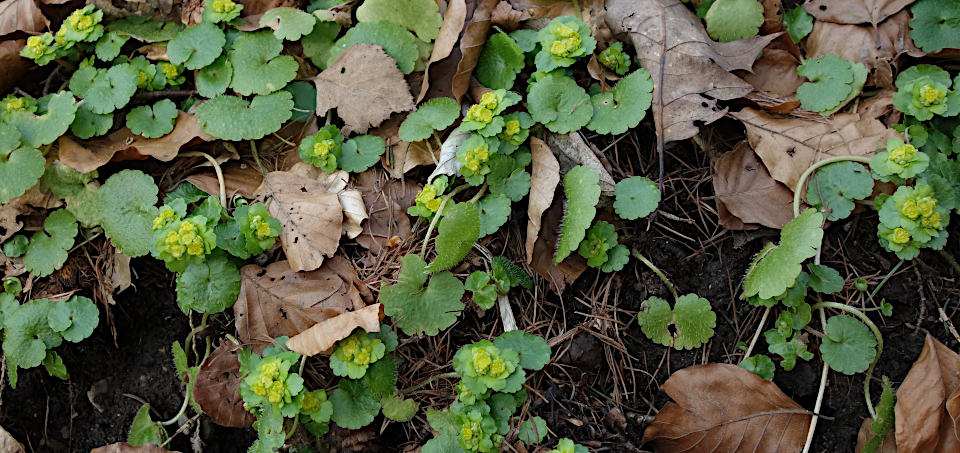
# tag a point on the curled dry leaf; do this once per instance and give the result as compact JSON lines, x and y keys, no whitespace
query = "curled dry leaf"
{"x":89,"y":156}
{"x":544,"y":177}
{"x":572,"y":150}
{"x":123,"y":447}
{"x":14,"y":66}
{"x":721,"y":407}
{"x":116,"y":274}
{"x":471,"y":44}
{"x":386,"y":201}
{"x":746,"y":193}
{"x":8,"y":444}
{"x":21,"y":15}
{"x":788,"y":146}
{"x":854,"y":11}
{"x":238,"y":178}
{"x":923,"y":423}
{"x":448,"y":163}
{"x":503,"y":15}
{"x":321,"y":337}
{"x":401,"y":156}
{"x":365,"y":86}
{"x":8,"y":219}
{"x":559,"y":275}
{"x":690,"y":71}
{"x":453,"y":20}
{"x":311,"y":218}
{"x":276,"y":301}
{"x":351,"y":201}
{"x":216,"y":388}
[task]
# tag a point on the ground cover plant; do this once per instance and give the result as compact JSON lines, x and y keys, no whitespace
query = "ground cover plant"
{"x":479,"y":226}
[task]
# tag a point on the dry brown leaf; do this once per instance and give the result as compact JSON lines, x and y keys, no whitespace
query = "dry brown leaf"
{"x":116,"y":276}
{"x":8,"y":218}
{"x":276,"y":301}
{"x":323,"y":335}
{"x":599,"y":71}
{"x":690,"y":72}
{"x":354,"y":212}
{"x":747,"y":192}
{"x":879,"y":106}
{"x":365,"y":86}
{"x":216,"y":388}
{"x":471,"y":44}
{"x":401,"y":156}
{"x":854,"y":11}
{"x":238,"y":178}
{"x":775,"y":72}
{"x":386,"y":202}
{"x":14,"y":66}
{"x":89,"y":156}
{"x":772,"y":12}
{"x":123,"y":447}
{"x":21,"y":15}
{"x":923,"y":424}
{"x":788,"y":146}
{"x":311,"y":218}
{"x":453,"y":20}
{"x":544,"y":177}
{"x":953,"y":408}
{"x":154,"y":52}
{"x":572,"y":150}
{"x":505,"y":16}
{"x":721,"y":407}
{"x":559,"y":275}
{"x":8,"y":444}
{"x":887,"y":445}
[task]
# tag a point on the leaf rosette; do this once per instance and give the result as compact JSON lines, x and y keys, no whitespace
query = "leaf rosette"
{"x":562,"y":41}
{"x":322,"y":149}
{"x":901,"y":161}
{"x":353,"y":355}
{"x":924,"y":91}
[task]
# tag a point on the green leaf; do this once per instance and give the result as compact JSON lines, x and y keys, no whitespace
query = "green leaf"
{"x":533,"y":431}
{"x":500,"y":62}
{"x":832,"y":82}
{"x":318,"y":44}
{"x":760,"y":365}
{"x":622,"y":108}
{"x":935,"y":25}
{"x":616,"y":259}
{"x":560,"y":104}
{"x":615,"y":59}
{"x":27,"y":336}
{"x":19,"y":171}
{"x":197,"y":46}
{"x":127,"y":207}
{"x":776,"y":268}
{"x":825,"y":279}
{"x":232,"y":118}
{"x":417,"y":310}
{"x":915,"y":84}
{"x":36,"y":131}
{"x":258,"y":65}
{"x":395,"y":40}
{"x":153,"y":122}
{"x":507,"y":178}
{"x":600,"y":238}
{"x":381,"y":376}
{"x":581,"y":185}
{"x":288,"y":23}
{"x":636,"y":197}
{"x":730,"y":20}
{"x":53,"y":363}
{"x":48,"y":249}
{"x":799,"y":23}
{"x":835,"y":187}
{"x":104,"y":90}
{"x":526,"y":39}
{"x":304,"y":100}
{"x":15,"y":247}
{"x":534,"y":350}
{"x":483,"y":292}
{"x":180,"y":361}
{"x":74,"y":318}
{"x":208,"y":287}
{"x":494,"y":211}
{"x":885,"y":419}
{"x":87,"y":124}
{"x":849,"y":346}
{"x":108,"y":47}
{"x":360,"y":153}
{"x":509,"y":275}
{"x":399,"y":409}
{"x":353,"y":405}
{"x":692,"y":318}
{"x":419,"y":16}
{"x":145,"y":29}
{"x":436,"y":114}
{"x":458,"y":230}
{"x":64,"y":181}
{"x":445,"y":442}
{"x":562,"y":41}
{"x":144,"y":430}
{"x":214,"y":78}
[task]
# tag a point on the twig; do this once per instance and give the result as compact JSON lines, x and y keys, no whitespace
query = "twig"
{"x":216,"y":169}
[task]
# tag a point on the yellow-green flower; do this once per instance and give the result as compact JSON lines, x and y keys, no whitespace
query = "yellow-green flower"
{"x":323,"y":147}
{"x":930,"y":94}
{"x":354,"y":354}
{"x":82,"y":25}
{"x":428,"y":200}
{"x":567,"y":41}
{"x":39,"y":49}
{"x":510,"y":129}
{"x":480,"y":114}
{"x":217,"y":11}
{"x":901,"y":235}
{"x":182,"y":242}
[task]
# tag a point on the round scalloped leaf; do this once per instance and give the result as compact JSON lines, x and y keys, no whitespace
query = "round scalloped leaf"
{"x":48,"y":248}
{"x":500,"y":62}
{"x":9,"y":139}
{"x":581,"y":185}
{"x":208,"y":287}
{"x":832,"y":82}
{"x":419,"y":16}
{"x":19,"y":171}
{"x":617,"y":257}
{"x":624,"y":106}
{"x":87,"y":124}
{"x":105,"y":90}
{"x":417,"y":310}
{"x":27,"y":335}
{"x":36,"y":131}
{"x":534,"y":351}
{"x":835,"y":187}
{"x":935,"y":25}
{"x":730,"y":20}
{"x":849,"y":345}
{"x":395,"y":40}
{"x":494,"y":211}
{"x":155,"y":121}
{"x":776,"y":267}
{"x":232,"y":118}
{"x":381,"y":375}
{"x":317,"y":45}
{"x":636,"y":197}
{"x":508,"y":178}
{"x":760,"y":365}
{"x":258,"y":65}
{"x":75,"y":318}
{"x":799,"y":24}
{"x":458,"y":230}
{"x":436,"y":114}
{"x":533,"y":431}
{"x":108,"y":47}
{"x":126,"y":204}
{"x":360,"y":153}
{"x":399,"y":409}
{"x":214,"y":78}
{"x":353,"y":405}
{"x":692,"y":318}
{"x":197,"y":46}
{"x":557,"y":102}
{"x":288,"y":23}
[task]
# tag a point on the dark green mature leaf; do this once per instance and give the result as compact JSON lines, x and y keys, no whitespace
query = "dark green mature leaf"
{"x":36,"y":131}
{"x":730,"y":20}
{"x":833,"y":82}
{"x":399,"y":409}
{"x":824,"y":279}
{"x":636,"y":197}
{"x":258,"y":65}
{"x":144,"y":430}
{"x":416,"y":309}
{"x":87,"y":124}
{"x":197,"y":46}
{"x":155,"y":121}
{"x":935,"y":25}
{"x":144,"y":29}
{"x":582,"y":188}
{"x":288,"y":23}
{"x":27,"y":335}
{"x":396,"y":42}
{"x":381,"y":377}
{"x":560,"y":104}
{"x":108,"y":47}
{"x":53,"y":363}
{"x":214,"y":78}
{"x":436,"y":114}
{"x":319,"y":43}
{"x":360,"y":153}
{"x":849,"y":346}
{"x":835,"y":187}
{"x":760,"y":365}
{"x":622,"y":108}
{"x":48,"y":249}
{"x":353,"y":405}
{"x":126,"y":204}
{"x":494,"y":211}
{"x":500,"y":62}
{"x":233,"y":118}
{"x":534,"y":350}
{"x":458,"y":230}
{"x":20,"y":171}
{"x":692,"y":318}
{"x":208,"y":287}
{"x":104,"y":90}
{"x":533,"y":431}
{"x":419,"y":16}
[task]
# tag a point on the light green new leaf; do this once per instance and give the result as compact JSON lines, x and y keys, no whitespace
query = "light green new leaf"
{"x":692,"y":318}
{"x":360,"y":153}
{"x":353,"y":405}
{"x":935,"y":25}
{"x":560,"y":104}
{"x":127,"y":207}
{"x":636,"y":197}
{"x":48,"y":248}
{"x":232,"y":118}
{"x":19,"y":171}
{"x":155,"y":121}
{"x":494,"y":211}
{"x":776,"y":267}
{"x":399,"y":409}
{"x":458,"y":230}
{"x":849,"y":346}
{"x":799,"y":23}
{"x":104,"y":90}
{"x":214,"y":78}
{"x":581,"y":185}
{"x":500,"y":62}
{"x":74,"y":318}
{"x":482,"y":291}
{"x":419,"y":16}
{"x":835,"y":187}
{"x":533,"y":431}
{"x":534,"y":350}
{"x":760,"y":365}
{"x":395,"y":40}
{"x":832,"y":82}
{"x":36,"y":131}
{"x":108,"y":47}
{"x":53,"y":363}
{"x":624,"y":106}
{"x":730,"y":20}
{"x":27,"y":336}
{"x":416,"y":309}
{"x":87,"y":124}
{"x":258,"y":65}
{"x":288,"y":23}
{"x":197,"y":46}
{"x":436,"y":114}
{"x":208,"y":287}
{"x":144,"y":430}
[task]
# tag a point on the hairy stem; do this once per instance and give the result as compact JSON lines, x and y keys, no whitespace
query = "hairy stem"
{"x":806,"y":174}
{"x":657,"y":271}
{"x":876,"y":332}
{"x":216,"y":169}
{"x":427,"y":381}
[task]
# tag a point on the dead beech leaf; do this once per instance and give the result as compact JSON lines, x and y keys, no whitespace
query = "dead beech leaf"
{"x":311,"y":218}
{"x":854,"y":11}
{"x":559,"y":275}
{"x":749,"y":195}
{"x":775,"y":72}
{"x":237,"y":179}
{"x":154,"y":52}
{"x":544,"y":177}
{"x":923,"y":424}
{"x":453,"y":20}
{"x":572,"y":150}
{"x":21,"y":15}
{"x":386,"y":202}
{"x":123,"y":447}
{"x":772,"y":11}
{"x":14,"y":66}
{"x":354,"y":212}
{"x":8,"y":444}
{"x":216,"y":388}
{"x":788,"y":146}
{"x":505,"y":16}
{"x":401,"y":156}
{"x":721,"y":407}
{"x":887,"y":445}
{"x":365,"y":86}
{"x":8,"y":219}
{"x":471,"y":44}
{"x":89,"y":156}
{"x":690,"y":71}
{"x":321,"y":337}
{"x":276,"y":301}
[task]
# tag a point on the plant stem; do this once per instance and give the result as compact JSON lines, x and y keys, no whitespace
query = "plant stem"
{"x":813,"y":168}
{"x":884,"y":281}
{"x":256,"y":157}
{"x":436,"y":136}
{"x":186,"y":349}
{"x":876,"y":332}
{"x":436,"y":217}
{"x":216,"y":169}
{"x":657,"y":271}
{"x":479,"y":195}
{"x":816,"y":408}
{"x":436,"y":377}
{"x":950,"y":259}
{"x":756,"y":335}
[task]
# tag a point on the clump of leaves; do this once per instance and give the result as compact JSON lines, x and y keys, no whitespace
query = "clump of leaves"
{"x":418,"y":309}
{"x":615,"y":59}
{"x":833,"y":81}
{"x":353,"y":355}
{"x":562,"y":41}
{"x":602,"y":249}
{"x":691,"y":318}
{"x":924,"y":91}
{"x":323,"y":148}
{"x":911,"y":219}
{"x":901,"y":161}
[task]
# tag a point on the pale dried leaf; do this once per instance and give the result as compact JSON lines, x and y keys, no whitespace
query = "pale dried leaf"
{"x":331,"y":182}
{"x":544,"y":177}
{"x":237,"y":179}
{"x":721,"y":407}
{"x":217,"y":388}
{"x":748,"y":193}
{"x":572,"y":150}
{"x":119,"y":275}
{"x":14,"y":66}
{"x":8,"y":444}
{"x":448,"y":163}
{"x":923,"y":424}
{"x":401,"y":156}
{"x":354,"y":212}
{"x":505,"y":16}
{"x":558,"y":275}
{"x":154,"y":52}
{"x":453,"y":20}
{"x":775,"y":72}
{"x":689,"y":70}
{"x":21,"y":15}
{"x":365,"y":86}
{"x":321,"y":337}
{"x":8,"y":219}
{"x":123,"y":447}
{"x":854,"y":11}
{"x":471,"y":44}
{"x":386,"y":202}
{"x":887,"y":445}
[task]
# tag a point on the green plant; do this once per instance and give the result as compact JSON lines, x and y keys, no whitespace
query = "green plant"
{"x":615,"y":59}
{"x":562,"y":41}
{"x":833,"y":81}
{"x":730,"y":20}
{"x":924,"y":91}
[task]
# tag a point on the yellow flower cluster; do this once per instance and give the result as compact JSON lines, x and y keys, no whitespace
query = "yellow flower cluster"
{"x":477,"y":156}
{"x":901,"y":235}
{"x":568,"y":41}
{"x":37,"y":47}
{"x":482,"y":112}
{"x":185,"y":239}
{"x":903,"y":154}
{"x":80,"y":22}
{"x":163,"y":219}
{"x":170,"y":70}
{"x":428,"y":197}
{"x":510,"y":129}
{"x":267,"y":383}
{"x":323,"y":147}
{"x":931,"y":95}
{"x":483,"y":364}
{"x":310,"y":403}
{"x":224,"y":6}
{"x":358,"y":350}
{"x":260,"y":226}
{"x":925,"y":209}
